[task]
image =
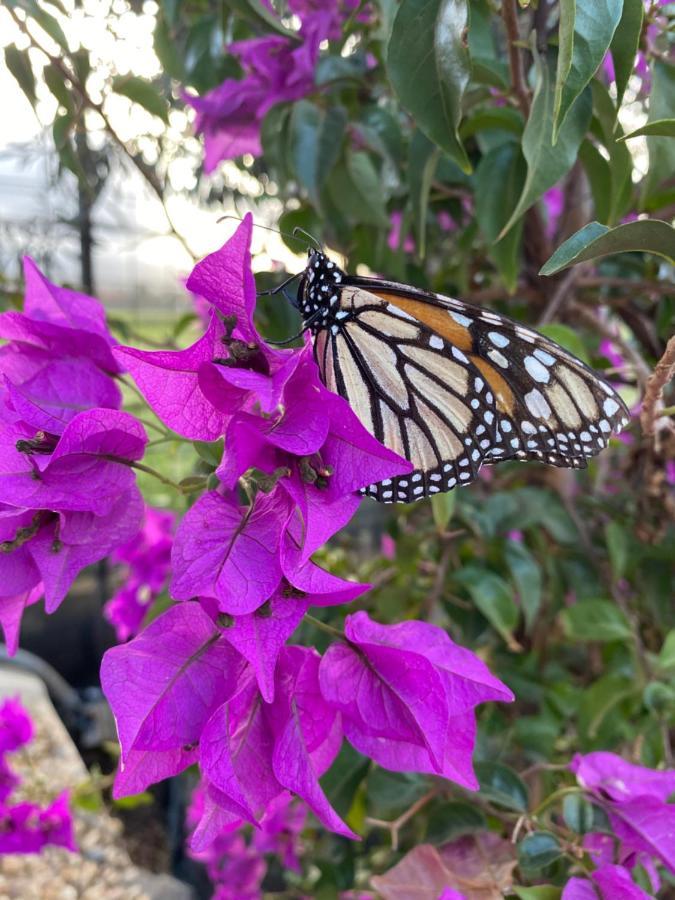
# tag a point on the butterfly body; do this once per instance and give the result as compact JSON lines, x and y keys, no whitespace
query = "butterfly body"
{"x":449,"y":386}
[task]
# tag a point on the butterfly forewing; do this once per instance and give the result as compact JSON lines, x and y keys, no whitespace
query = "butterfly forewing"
{"x":452,"y":387}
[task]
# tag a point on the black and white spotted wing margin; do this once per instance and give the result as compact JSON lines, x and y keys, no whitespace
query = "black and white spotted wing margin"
{"x":452,"y":387}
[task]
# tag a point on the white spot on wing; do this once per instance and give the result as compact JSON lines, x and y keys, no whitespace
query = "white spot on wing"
{"x":498,"y":339}
{"x":436,"y":342}
{"x":536,"y":370}
{"x":464,"y":321}
{"x":610,"y":406}
{"x":537,"y":405}
{"x":498,"y":358}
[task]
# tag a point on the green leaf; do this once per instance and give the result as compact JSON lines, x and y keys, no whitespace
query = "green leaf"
{"x":342,"y":780}
{"x":47,"y":22}
{"x":568,"y":338}
{"x":442,"y":508}
{"x":618,"y":544}
{"x":499,"y":179}
{"x":606,"y":129}
{"x":492,"y":118}
{"x":422,"y":161}
{"x":258,"y":14}
{"x":593,"y":27}
{"x":145,"y":798}
{"x":595,"y":240}
{"x":316,"y":137}
{"x":598,"y":701}
{"x":546,"y":163}
{"x":493,"y":597}
{"x":453,"y":820}
{"x":356,"y":190}
{"x":526,"y":574}
{"x":578,"y":813}
{"x":538,"y":850}
{"x":540,"y":892}
{"x":61,"y":128}
{"x":168,"y":54}
{"x":661,"y":149}
{"x":56,"y":82}
{"x":18,"y":63}
{"x":210,"y":451}
{"x":142,"y":92}
{"x":599,"y":176}
{"x":429,"y":68}
{"x":660,"y":127}
{"x":666,"y":655}
{"x":502,"y":786}
{"x":568,"y":9}
{"x":625,"y":44}
{"x":595,"y":620}
{"x":390,"y":793}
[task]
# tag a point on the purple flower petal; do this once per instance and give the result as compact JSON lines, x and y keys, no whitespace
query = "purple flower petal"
{"x":164,"y":684}
{"x":615,"y":883}
{"x":228,"y":552}
{"x":169,"y":381}
{"x":11,"y":613}
{"x":622,"y":780}
{"x":140,"y":769}
{"x":646,"y":825}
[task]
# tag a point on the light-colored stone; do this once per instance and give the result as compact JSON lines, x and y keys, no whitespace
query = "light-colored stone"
{"x":101,"y":870}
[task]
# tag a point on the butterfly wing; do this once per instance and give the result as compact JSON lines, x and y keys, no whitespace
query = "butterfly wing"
{"x":452,"y":387}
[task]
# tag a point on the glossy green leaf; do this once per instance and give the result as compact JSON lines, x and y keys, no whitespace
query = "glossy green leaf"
{"x":315,"y":137}
{"x":167,"y":50}
{"x":502,"y":786}
{"x":500,"y":177}
{"x":659,"y":127}
{"x":47,"y":22}
{"x":526,"y":575}
{"x":618,"y":544}
{"x":498,"y":118}
{"x":422,"y":162}
{"x":593,"y":27}
{"x":453,"y":820}
{"x":210,"y":451}
{"x":661,"y":149}
{"x":368,"y":187}
{"x":578,"y":813}
{"x":142,"y":92}
{"x":538,"y":850}
{"x":548,"y":163}
{"x":568,"y":338}
{"x":595,"y":240}
{"x":61,"y":129}
{"x":493,"y":597}
{"x":625,"y":44}
{"x":18,"y":63}
{"x":595,"y":620}
{"x":429,"y":68}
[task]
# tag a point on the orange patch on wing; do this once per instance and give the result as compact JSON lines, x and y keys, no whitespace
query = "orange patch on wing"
{"x":500,"y":388}
{"x":435,"y":318}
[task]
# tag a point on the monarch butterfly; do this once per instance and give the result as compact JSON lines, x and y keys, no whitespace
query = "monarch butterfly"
{"x":447,"y":385}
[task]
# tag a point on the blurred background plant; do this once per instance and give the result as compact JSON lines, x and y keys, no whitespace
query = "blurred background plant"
{"x":520,"y":156}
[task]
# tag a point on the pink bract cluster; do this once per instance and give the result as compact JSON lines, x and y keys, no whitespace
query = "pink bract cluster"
{"x":212,"y":681}
{"x":147,"y":558}
{"x":67,"y":490}
{"x":276,"y":69}
{"x":236,"y":863}
{"x":641,"y":826}
{"x":27,"y":827}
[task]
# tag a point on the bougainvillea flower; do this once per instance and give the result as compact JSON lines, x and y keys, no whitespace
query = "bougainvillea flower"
{"x":635,"y":799}
{"x":607,"y":883}
{"x":407,"y":694}
{"x":251,"y":751}
{"x":147,"y":557}
{"x":16,"y":726}
{"x":8,"y":780}
{"x":85,"y":469}
{"x":27,"y":828}
{"x":11,"y":613}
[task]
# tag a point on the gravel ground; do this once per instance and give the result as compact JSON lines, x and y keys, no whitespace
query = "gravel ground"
{"x":102,"y":869}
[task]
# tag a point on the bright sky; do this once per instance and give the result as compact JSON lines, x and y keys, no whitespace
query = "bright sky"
{"x":133,"y":256}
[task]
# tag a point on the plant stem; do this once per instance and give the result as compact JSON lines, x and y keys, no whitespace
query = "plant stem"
{"x":510,"y":17}
{"x":665,"y":368}
{"x":397,"y":824}
{"x":322,"y":626}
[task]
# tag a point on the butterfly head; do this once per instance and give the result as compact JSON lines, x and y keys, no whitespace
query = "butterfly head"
{"x":319,"y":290}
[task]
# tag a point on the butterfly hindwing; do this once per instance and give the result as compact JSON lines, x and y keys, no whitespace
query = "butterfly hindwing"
{"x":452,"y":387}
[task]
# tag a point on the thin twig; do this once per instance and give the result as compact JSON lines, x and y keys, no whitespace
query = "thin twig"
{"x":664,"y":371}
{"x":397,"y":824}
{"x":559,"y":297}
{"x":510,"y":17}
{"x":146,"y":171}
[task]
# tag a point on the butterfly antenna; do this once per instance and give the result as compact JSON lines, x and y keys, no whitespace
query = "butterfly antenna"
{"x":310,"y":237}
{"x":285,"y":234}
{"x":280,"y":287}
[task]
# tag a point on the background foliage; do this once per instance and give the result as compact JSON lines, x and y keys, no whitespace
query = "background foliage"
{"x":492,"y":152}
